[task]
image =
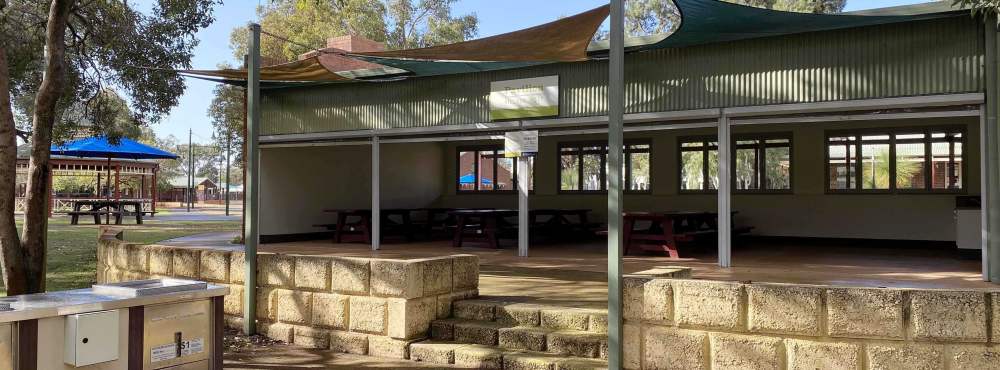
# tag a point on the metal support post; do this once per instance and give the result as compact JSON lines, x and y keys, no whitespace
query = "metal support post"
{"x":991,"y":193}
{"x":523,"y":223}
{"x":725,"y":197}
{"x":251,"y":183}
{"x":376,"y":231}
{"x":616,"y":109}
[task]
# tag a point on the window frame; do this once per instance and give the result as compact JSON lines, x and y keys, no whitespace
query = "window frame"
{"x":760,"y":148}
{"x":627,"y":162}
{"x":475,"y":170}
{"x":892,"y":132}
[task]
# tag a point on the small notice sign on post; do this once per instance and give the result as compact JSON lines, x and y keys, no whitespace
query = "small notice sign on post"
{"x":520,"y":144}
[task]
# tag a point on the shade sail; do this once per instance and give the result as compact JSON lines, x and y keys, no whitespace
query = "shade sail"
{"x":313,"y":69}
{"x":711,"y":21}
{"x":567,"y":40}
{"x":99,"y":147}
{"x":563,"y":40}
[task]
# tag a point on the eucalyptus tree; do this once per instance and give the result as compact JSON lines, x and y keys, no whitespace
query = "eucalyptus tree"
{"x":64,"y":53}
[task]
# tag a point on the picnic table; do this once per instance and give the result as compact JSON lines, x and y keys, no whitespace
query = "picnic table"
{"x":491,"y":225}
{"x":108,"y":208}
{"x":560,"y":223}
{"x":667,"y":229}
{"x":354,"y":224}
{"x":480,"y":225}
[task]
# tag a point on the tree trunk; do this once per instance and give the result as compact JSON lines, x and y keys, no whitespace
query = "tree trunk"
{"x":12,"y":259}
{"x":36,"y":218}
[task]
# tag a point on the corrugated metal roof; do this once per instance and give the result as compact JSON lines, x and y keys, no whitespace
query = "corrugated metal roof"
{"x":941,"y":56}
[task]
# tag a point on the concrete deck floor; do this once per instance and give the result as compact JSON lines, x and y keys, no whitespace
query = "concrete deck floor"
{"x":575,"y":274}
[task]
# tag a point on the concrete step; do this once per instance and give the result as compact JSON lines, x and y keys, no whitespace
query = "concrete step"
{"x":475,"y":356}
{"x":526,"y":314}
{"x":577,"y":343}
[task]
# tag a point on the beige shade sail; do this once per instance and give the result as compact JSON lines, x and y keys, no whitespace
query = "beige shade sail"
{"x":564,"y":40}
{"x":312,"y":69}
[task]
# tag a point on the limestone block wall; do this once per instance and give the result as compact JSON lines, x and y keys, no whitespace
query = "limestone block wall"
{"x":681,"y":323}
{"x":357,"y":305}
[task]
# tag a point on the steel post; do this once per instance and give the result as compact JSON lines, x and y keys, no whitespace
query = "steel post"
{"x":616,"y":109}
{"x":251,"y":183}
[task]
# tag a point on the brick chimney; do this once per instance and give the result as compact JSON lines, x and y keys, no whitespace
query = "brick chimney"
{"x":353,"y":43}
{"x":349,"y":44}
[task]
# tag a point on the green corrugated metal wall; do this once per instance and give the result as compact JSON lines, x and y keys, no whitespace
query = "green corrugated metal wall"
{"x":921,"y":58}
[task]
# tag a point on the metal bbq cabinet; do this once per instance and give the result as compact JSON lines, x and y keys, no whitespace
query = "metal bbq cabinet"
{"x":160,"y":324}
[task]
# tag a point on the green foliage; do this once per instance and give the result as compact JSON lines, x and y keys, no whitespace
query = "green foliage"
{"x":226,"y":113}
{"x":107,"y":44}
{"x":400,"y":24}
{"x":984,"y":6}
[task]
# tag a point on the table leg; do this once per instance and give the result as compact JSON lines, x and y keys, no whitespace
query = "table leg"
{"x":366,"y":228}
{"x":491,"y":231}
{"x":339,"y":232}
{"x":459,"y":231}
{"x":669,"y":243}
{"x":407,"y":227}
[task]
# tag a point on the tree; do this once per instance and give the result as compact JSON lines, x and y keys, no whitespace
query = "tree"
{"x":226,"y":113}
{"x":400,"y":24}
{"x":648,"y":17}
{"x":63,"y":53}
{"x":985,"y":6}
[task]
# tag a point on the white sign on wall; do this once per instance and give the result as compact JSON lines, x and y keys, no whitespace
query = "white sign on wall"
{"x":520,"y":143}
{"x":524,"y":98}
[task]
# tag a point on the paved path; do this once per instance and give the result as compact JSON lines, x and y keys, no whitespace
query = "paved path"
{"x":221,"y":239}
{"x":181,"y":214}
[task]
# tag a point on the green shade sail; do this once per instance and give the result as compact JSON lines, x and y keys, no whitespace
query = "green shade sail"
{"x":711,"y":21}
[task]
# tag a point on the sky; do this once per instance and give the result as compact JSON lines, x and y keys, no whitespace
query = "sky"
{"x":495,"y":17}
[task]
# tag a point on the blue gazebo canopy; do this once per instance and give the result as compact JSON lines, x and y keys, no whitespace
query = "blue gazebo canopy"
{"x":471,"y":179}
{"x":100,"y":147}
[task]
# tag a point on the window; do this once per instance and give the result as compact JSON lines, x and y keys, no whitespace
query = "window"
{"x":896,"y":160}
{"x":761,"y":163}
{"x":486,"y":169}
{"x":583,"y":167}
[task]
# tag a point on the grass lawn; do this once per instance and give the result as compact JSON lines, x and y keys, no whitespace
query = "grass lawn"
{"x":72,"y":257}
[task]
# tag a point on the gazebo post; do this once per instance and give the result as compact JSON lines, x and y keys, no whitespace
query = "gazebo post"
{"x":51,"y":190}
{"x":118,"y":173}
{"x":153,"y":189}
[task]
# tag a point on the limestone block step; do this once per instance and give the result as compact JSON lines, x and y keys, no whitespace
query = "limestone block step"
{"x":477,"y":332}
{"x":475,"y":309}
{"x":475,"y":356}
{"x":545,"y":361}
{"x":434,"y":352}
{"x":577,"y":344}
{"x":523,"y":337}
{"x":526,"y":314}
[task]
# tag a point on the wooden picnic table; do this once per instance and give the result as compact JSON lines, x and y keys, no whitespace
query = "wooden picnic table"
{"x":480,"y":225}
{"x":491,"y":225}
{"x":666,"y":229}
{"x":354,"y":224}
{"x":106,"y":207}
{"x":561,"y":223}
